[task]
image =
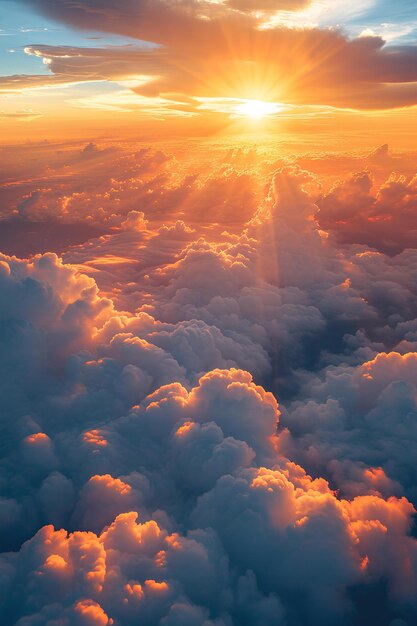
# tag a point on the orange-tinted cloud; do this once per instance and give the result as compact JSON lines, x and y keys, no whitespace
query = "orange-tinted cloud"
{"x":227,"y":53}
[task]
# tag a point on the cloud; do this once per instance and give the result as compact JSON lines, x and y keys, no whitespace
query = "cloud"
{"x":137,"y":569}
{"x":367,"y":421}
{"x":380,"y":218}
{"x":205,"y":423}
{"x":25,"y":116}
{"x":268,"y":5}
{"x":230,"y":54}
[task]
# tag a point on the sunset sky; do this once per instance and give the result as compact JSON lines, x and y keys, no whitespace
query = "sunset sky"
{"x":208,"y":312}
{"x":195,"y":64}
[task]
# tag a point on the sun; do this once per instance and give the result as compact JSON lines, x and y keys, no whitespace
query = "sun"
{"x":256,"y":109}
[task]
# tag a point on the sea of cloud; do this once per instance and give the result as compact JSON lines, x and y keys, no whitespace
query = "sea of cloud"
{"x":208,"y":377}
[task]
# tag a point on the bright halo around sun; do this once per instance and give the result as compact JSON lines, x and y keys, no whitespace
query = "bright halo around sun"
{"x":257,"y":109}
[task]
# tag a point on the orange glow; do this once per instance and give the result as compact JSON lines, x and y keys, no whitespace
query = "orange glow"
{"x":95,"y":438}
{"x":114,"y":484}
{"x":160,"y":559}
{"x":135,"y":535}
{"x":174,"y":541}
{"x":184,"y":429}
{"x":375,"y":474}
{"x":92,"y":613}
{"x":55,"y":562}
{"x":158,"y":587}
{"x":37,"y":438}
{"x":380,"y":218}
{"x":134,"y":591}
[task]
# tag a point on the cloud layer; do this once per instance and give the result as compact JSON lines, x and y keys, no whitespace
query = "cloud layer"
{"x":208,"y":409}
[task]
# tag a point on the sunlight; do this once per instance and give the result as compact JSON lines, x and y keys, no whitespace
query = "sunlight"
{"x":257,"y":109}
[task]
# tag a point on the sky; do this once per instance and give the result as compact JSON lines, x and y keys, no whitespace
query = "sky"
{"x":208,"y":313}
{"x":90,"y":63}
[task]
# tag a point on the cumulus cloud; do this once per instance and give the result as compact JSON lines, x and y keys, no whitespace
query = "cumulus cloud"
{"x":361,"y":416}
{"x":381,"y":218}
{"x":204,"y":423}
